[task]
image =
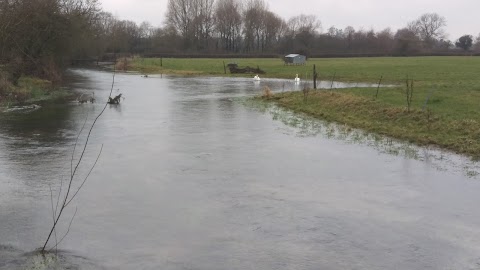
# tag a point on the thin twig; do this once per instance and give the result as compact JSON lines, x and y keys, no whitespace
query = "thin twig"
{"x":378,"y":87}
{"x":53,"y":216}
{"x":75,"y":145}
{"x":68,"y":230}
{"x":86,"y":177}
{"x":59,"y":195}
{"x":333,"y":79}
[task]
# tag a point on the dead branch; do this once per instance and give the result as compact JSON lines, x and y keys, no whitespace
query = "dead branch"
{"x":67,"y":198}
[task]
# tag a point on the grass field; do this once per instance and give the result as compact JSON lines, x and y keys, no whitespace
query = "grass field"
{"x":450,"y":118}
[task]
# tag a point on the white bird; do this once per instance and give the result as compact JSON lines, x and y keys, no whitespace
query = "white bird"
{"x":297,"y":79}
{"x":256,"y":78}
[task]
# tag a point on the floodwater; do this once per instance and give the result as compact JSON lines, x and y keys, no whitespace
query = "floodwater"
{"x":195,"y":176}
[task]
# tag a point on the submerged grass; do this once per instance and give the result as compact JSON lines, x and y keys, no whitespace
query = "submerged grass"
{"x":416,"y":126}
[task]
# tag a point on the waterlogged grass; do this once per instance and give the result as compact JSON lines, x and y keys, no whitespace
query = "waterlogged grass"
{"x":307,"y":125}
{"x":416,"y":126}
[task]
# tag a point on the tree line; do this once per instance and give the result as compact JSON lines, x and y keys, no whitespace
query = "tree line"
{"x":40,"y":37}
{"x":234,"y":26}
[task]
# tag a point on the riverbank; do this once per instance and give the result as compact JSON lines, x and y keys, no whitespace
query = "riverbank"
{"x":446,"y":85}
{"x":422,"y":127}
{"x":443,"y":105}
{"x":32,"y":90}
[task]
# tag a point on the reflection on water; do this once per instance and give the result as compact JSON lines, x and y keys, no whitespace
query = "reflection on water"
{"x":305,"y":125}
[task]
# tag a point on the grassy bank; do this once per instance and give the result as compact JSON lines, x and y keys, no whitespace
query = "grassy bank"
{"x":31,"y":90}
{"x":422,"y":127}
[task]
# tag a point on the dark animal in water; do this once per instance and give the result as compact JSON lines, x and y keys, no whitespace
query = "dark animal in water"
{"x":115,"y":100}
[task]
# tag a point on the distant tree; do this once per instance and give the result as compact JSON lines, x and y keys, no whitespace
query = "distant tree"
{"x":349,"y":32}
{"x":406,"y":42}
{"x":465,"y":42}
{"x":430,"y":27}
{"x":304,"y":23}
{"x":166,"y":39}
{"x":193,"y":19}
{"x":385,"y":41}
{"x":443,"y":45}
{"x":228,"y":23}
{"x":476,"y":47}
{"x":302,"y":30}
{"x":253,"y":18}
{"x":272,"y":30}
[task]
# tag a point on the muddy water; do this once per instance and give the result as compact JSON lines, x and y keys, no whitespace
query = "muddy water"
{"x":193,"y":176}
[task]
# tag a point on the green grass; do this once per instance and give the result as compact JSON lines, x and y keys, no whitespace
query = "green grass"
{"x":417,"y":126}
{"x":452,"y":83}
{"x":32,"y":90}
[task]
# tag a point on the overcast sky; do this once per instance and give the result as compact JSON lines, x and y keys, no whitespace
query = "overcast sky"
{"x":461,"y":15}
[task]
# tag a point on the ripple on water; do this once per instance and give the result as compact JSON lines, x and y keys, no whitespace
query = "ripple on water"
{"x":13,"y":259}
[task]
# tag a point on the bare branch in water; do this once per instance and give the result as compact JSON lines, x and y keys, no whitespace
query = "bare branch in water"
{"x":73,"y":171}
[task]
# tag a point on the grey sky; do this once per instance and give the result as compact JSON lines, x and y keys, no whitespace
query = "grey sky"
{"x":461,"y":15}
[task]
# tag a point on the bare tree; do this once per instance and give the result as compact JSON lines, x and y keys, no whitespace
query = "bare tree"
{"x":193,"y":19}
{"x":180,"y":18}
{"x":385,"y":41}
{"x":253,"y":29}
{"x":335,"y":32}
{"x":304,"y":23}
{"x":228,"y":23}
{"x":407,"y":42}
{"x":430,"y":27}
{"x":272,"y":29}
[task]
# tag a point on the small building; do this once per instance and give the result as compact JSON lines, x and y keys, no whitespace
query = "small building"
{"x":295,"y":59}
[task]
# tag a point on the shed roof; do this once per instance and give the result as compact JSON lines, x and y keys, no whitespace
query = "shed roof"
{"x":292,"y":55}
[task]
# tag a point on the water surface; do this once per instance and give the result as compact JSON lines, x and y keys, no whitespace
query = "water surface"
{"x":193,"y":176}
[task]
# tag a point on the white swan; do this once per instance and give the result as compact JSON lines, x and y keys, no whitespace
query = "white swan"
{"x":297,"y":79}
{"x":256,"y":78}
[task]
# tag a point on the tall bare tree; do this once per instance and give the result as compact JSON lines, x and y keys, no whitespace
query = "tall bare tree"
{"x":193,"y":19}
{"x":272,"y":24}
{"x":179,"y":16}
{"x":253,"y":17}
{"x":304,"y":23}
{"x":228,"y":23}
{"x":430,"y":27}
